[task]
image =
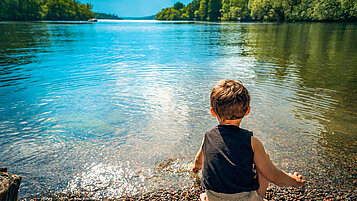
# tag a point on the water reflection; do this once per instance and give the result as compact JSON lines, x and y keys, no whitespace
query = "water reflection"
{"x":101,"y":105}
{"x":20,"y":42}
{"x":317,"y":62}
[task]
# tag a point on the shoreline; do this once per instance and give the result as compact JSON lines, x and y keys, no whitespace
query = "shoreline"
{"x":193,"y":194}
{"x":195,"y":21}
{"x":273,"y":193}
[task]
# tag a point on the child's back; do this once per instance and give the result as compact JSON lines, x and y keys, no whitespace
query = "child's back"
{"x":228,"y":160}
{"x":228,"y":153}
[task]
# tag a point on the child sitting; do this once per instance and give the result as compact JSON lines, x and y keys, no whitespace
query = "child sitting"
{"x":235,"y":164}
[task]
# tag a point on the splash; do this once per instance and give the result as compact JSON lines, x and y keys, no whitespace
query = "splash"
{"x":115,"y":181}
{"x":106,"y":181}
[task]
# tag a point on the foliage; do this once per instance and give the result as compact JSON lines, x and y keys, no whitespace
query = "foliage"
{"x":202,"y":11}
{"x":262,"y":10}
{"x":234,"y":9}
{"x":191,"y":9}
{"x":174,"y":13}
{"x":44,"y":9}
{"x":106,"y":16}
{"x":213,"y":12}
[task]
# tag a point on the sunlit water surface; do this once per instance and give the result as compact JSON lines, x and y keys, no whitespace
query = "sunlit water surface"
{"x":120,"y":107}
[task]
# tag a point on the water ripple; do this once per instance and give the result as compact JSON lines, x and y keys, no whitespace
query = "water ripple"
{"x":95,"y":108}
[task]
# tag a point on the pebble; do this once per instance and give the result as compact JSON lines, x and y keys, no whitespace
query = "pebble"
{"x":273,"y":193}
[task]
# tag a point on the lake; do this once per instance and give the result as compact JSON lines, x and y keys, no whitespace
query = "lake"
{"x":120,"y":107}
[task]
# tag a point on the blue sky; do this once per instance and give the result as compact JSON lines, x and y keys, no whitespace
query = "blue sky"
{"x":132,"y":8}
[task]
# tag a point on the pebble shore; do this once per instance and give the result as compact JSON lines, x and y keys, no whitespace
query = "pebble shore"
{"x":273,"y":193}
{"x":193,"y":194}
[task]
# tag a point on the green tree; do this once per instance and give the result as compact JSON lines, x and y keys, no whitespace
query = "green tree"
{"x":262,"y":10}
{"x":177,"y":12}
{"x":213,"y":12}
{"x":3,"y":9}
{"x":68,"y":10}
{"x":44,"y":9}
{"x":302,"y":11}
{"x":234,"y":9}
{"x":174,"y":15}
{"x":106,"y":16}
{"x":338,"y":10}
{"x":269,"y":10}
{"x":202,"y":11}
{"x":178,"y":6}
{"x":225,"y":14}
{"x":192,"y":8}
{"x":349,"y":10}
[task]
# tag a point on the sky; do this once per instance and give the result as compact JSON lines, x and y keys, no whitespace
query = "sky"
{"x":132,"y":8}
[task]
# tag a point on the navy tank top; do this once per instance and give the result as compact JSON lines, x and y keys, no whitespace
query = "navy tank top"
{"x":228,"y":165}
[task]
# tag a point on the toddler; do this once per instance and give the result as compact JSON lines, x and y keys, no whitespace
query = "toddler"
{"x":234,"y":163}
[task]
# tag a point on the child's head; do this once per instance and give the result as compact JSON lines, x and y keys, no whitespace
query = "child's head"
{"x":229,"y":100}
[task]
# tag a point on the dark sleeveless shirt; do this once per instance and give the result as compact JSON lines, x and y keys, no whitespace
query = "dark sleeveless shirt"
{"x":228,"y":160}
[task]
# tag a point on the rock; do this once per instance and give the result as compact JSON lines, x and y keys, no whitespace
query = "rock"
{"x":9,"y":185}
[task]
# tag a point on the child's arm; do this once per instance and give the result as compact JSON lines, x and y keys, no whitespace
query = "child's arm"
{"x":268,"y":169}
{"x":197,"y":166}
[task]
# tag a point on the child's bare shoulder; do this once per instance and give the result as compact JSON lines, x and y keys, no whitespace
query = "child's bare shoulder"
{"x":257,"y":145}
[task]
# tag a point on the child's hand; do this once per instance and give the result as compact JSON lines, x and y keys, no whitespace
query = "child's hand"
{"x":299,"y":181}
{"x":197,"y":166}
{"x":203,"y":197}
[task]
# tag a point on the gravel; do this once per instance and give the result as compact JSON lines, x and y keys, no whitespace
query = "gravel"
{"x":273,"y":193}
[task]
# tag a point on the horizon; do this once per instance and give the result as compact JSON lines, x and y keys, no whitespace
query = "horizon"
{"x":132,"y":8}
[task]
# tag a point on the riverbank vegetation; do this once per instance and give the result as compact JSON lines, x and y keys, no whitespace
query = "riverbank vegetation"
{"x":262,"y":10}
{"x":107,"y":16}
{"x":45,"y":10}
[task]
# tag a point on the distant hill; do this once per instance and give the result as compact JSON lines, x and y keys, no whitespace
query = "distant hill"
{"x":107,"y":16}
{"x":151,"y":17}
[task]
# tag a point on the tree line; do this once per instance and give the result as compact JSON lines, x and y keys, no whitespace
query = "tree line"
{"x":262,"y":10}
{"x":107,"y":16}
{"x":45,"y":10}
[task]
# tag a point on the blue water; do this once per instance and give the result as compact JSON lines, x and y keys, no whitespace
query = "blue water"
{"x":96,"y":108}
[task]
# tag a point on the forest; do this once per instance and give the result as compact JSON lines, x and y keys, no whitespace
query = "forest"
{"x":45,"y":10}
{"x":107,"y":16}
{"x":262,"y":10}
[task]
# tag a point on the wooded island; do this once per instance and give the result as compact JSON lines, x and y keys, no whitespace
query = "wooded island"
{"x":45,"y":10}
{"x":262,"y":10}
{"x":107,"y":16}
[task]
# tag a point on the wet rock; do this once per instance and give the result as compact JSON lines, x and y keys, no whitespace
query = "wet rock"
{"x":9,"y":185}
